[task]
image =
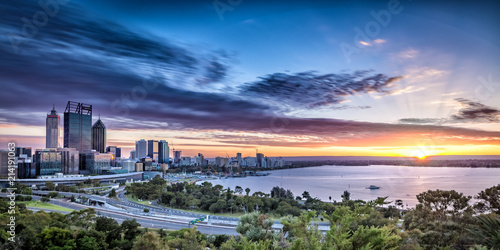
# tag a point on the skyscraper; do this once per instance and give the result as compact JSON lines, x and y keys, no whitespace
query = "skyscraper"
{"x":177,"y":156}
{"x":99,"y":136}
{"x":163,"y":152}
{"x":52,"y":129}
{"x":238,"y":158}
{"x":77,"y":126}
{"x":48,"y":161}
{"x":141,"y":149}
{"x":153,"y":149}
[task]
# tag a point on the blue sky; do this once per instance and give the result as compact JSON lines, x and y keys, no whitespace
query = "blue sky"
{"x":224,"y":76}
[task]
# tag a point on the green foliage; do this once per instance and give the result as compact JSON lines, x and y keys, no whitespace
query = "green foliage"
{"x":56,"y":238}
{"x":486,"y":230}
{"x":45,"y":199}
{"x":255,"y":226}
{"x":50,"y":185}
{"x":53,"y":194}
{"x":112,"y":193}
{"x":146,"y":210}
{"x":489,"y":200}
{"x":149,"y":241}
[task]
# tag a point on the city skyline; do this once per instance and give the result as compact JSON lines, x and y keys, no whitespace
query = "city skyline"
{"x":384,"y":78}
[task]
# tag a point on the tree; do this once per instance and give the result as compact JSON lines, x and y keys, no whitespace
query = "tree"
{"x":112,"y":193}
{"x":247,"y":190}
{"x":487,"y":230}
{"x":306,"y":195}
{"x":238,"y":190}
{"x":149,"y":241}
{"x":255,"y":226}
{"x":45,"y":199}
{"x":50,"y":185}
{"x":444,"y":203}
{"x":91,"y":239}
{"x":56,"y":238}
{"x":110,"y":228}
{"x":346,"y":196}
{"x":130,"y":229}
{"x":489,"y":200}
{"x":146,"y":210}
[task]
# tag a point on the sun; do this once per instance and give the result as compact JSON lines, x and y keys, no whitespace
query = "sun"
{"x":420,"y":154}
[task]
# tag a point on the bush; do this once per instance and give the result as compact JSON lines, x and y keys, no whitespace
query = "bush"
{"x":28,"y":198}
{"x":53,"y":194}
{"x":146,"y":210}
{"x":45,"y":199}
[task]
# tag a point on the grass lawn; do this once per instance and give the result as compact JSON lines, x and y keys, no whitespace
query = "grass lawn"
{"x":133,"y":199}
{"x":39,"y":204}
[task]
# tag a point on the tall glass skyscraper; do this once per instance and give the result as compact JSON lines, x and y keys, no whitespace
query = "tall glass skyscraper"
{"x":163,"y":152}
{"x":77,"y":126}
{"x":153,"y":149}
{"x":141,"y":149}
{"x":52,"y":129}
{"x":99,"y":136}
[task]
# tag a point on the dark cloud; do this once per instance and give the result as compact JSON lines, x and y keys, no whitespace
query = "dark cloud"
{"x":476,"y":112}
{"x":421,"y":120}
{"x":311,"y":90}
{"x":470,"y":112}
{"x":138,"y":81}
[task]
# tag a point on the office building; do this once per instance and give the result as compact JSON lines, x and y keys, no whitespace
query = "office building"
{"x":163,"y":152}
{"x":78,"y":126}
{"x":99,"y":136}
{"x":70,"y":161}
{"x":177,"y":156}
{"x":48,"y":161}
{"x":52,"y":129}
{"x":129,"y":165}
{"x":153,"y":149}
{"x":259,"y":159}
{"x":221,"y":161}
{"x":25,"y":166}
{"x":141,"y":149}
{"x":238,"y":158}
{"x":4,"y":163}
{"x":116,"y":151}
{"x":185,"y":161}
{"x":98,"y":163}
{"x":132,"y":155}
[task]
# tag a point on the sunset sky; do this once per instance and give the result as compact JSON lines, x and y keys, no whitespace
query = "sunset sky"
{"x":289,"y":78}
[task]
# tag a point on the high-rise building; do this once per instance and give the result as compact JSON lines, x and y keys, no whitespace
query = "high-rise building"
{"x":132,"y":155}
{"x":177,"y":157}
{"x":141,"y":149}
{"x":163,"y":152}
{"x":153,"y":149}
{"x":77,"y":126}
{"x":52,"y":129}
{"x":25,"y":164}
{"x":238,"y":158}
{"x":48,"y":161}
{"x":99,"y":136}
{"x":4,"y":163}
{"x":70,"y":160}
{"x":259,"y":159}
{"x":98,"y":163}
{"x":116,"y":151}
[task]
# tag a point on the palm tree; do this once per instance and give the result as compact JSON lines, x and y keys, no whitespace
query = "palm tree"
{"x":487,"y":231}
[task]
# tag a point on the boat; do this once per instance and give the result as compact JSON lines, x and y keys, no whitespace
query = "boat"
{"x":373,"y":187}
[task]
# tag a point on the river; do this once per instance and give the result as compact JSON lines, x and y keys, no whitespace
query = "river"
{"x":397,"y":182}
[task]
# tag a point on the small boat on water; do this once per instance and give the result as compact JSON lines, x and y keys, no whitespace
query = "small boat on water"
{"x":373,"y":187}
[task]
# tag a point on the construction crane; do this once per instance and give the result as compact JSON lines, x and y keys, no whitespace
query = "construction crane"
{"x":230,"y":165}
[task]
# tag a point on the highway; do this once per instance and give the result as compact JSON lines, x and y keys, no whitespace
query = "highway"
{"x":158,"y":217}
{"x":144,"y":220}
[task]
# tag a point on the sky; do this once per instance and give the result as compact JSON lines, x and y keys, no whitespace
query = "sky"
{"x":301,"y":78}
